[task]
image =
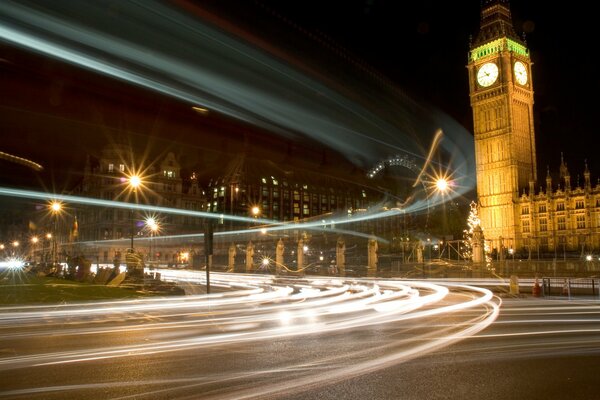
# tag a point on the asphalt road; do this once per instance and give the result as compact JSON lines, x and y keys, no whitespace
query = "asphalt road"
{"x":305,"y":339}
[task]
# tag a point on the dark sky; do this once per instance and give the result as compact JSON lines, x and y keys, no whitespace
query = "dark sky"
{"x":422,"y":46}
{"x":419,"y":46}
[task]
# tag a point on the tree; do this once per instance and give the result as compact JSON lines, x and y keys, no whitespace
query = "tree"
{"x":472,"y":222}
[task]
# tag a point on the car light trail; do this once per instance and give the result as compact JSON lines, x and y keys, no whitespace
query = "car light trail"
{"x":255,"y":309}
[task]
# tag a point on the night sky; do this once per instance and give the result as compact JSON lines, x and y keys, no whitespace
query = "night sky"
{"x":419,"y":48}
{"x":422,"y":46}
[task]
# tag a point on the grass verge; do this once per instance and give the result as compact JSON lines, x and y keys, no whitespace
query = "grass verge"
{"x":21,"y":288}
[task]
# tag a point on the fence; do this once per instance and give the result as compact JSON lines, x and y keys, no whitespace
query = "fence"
{"x":570,"y":286}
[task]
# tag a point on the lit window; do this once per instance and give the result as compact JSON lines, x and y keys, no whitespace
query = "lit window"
{"x":122,"y":167}
{"x":264,"y":180}
{"x":581,"y":221}
{"x":111,"y":167}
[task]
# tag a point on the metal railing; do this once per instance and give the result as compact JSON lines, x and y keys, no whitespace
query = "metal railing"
{"x":570,"y":286}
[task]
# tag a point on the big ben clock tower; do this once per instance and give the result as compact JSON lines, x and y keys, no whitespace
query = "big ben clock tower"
{"x":501,"y":92}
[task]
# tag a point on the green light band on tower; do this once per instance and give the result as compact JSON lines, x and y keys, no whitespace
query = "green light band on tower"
{"x":496,"y":46}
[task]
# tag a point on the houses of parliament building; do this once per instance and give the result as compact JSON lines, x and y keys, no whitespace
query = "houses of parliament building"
{"x":518,"y":211}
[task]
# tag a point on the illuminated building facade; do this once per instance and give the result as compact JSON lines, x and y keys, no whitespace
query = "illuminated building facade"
{"x":283,"y":195}
{"x":105,"y":177}
{"x":501,"y":93}
{"x":561,"y":220}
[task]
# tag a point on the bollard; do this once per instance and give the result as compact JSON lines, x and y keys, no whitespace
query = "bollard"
{"x":536,"y":288}
{"x":514,"y":285}
{"x":565,"y":289}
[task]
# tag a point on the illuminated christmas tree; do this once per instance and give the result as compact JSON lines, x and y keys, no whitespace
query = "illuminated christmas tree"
{"x":472,"y":222}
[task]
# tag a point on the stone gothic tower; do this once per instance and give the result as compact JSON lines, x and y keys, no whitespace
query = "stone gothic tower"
{"x":501,"y":92}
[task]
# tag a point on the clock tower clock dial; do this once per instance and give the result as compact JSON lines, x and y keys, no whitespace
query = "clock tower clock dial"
{"x":487,"y":74}
{"x":520,"y":73}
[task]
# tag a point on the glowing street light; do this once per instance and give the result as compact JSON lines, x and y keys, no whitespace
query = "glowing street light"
{"x":134,"y":181}
{"x":15,"y":245}
{"x":441,"y":184}
{"x":55,"y":209}
{"x":255,"y":211}
{"x":34,"y":241}
{"x":153,"y":226}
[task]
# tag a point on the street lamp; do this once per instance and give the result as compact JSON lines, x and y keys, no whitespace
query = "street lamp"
{"x":153,"y":227}
{"x":441,"y":184}
{"x":34,"y":241}
{"x":46,"y":255}
{"x":55,"y":209}
{"x":255,"y":211}
{"x":429,"y":248}
{"x":134,"y":181}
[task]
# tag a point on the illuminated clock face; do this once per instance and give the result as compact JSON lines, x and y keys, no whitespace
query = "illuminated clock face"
{"x":487,"y":74}
{"x":520,"y":73}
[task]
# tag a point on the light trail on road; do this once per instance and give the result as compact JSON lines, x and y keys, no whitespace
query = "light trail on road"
{"x":413,"y":318}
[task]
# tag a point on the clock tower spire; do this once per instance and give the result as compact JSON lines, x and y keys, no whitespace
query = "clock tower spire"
{"x":501,"y":93}
{"x":496,"y":22}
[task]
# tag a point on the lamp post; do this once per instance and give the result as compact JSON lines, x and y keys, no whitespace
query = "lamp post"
{"x":134,"y":182}
{"x":429,"y":248}
{"x":55,"y":209}
{"x":153,"y":227}
{"x":34,"y":241}
{"x":46,"y":255}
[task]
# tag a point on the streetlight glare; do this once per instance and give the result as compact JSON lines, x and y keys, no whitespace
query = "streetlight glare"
{"x":441,"y":184}
{"x":55,"y":206}
{"x":135,"y":181}
{"x":255,"y":210}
